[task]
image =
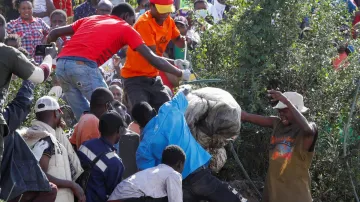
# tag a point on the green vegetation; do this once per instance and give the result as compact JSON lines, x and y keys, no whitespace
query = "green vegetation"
{"x":259,"y":49}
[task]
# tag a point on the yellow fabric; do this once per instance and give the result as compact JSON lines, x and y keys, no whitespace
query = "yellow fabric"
{"x":165,"y":8}
{"x":288,"y":177}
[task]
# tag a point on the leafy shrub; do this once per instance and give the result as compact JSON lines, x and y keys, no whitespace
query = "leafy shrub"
{"x":258,"y":49}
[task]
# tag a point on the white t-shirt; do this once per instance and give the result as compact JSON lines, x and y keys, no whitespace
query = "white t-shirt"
{"x":156,"y":182}
{"x":40,"y":6}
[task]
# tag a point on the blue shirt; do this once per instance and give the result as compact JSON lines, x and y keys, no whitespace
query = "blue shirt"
{"x":167,"y":128}
{"x":107,"y":172}
{"x":84,"y":10}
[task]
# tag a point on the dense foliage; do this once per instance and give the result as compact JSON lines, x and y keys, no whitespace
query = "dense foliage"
{"x":259,"y":48}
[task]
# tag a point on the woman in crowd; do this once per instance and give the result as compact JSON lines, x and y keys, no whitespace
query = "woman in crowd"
{"x":32,"y":30}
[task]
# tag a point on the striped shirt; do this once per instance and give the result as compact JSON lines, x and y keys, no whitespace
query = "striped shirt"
{"x":31,"y":33}
{"x":107,"y":172}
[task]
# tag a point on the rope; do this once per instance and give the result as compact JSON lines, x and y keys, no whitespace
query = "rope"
{"x":243,"y":169}
{"x":346,"y":132}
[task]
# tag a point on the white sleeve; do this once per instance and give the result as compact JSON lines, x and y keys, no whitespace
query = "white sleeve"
{"x":37,"y":76}
{"x":174,"y":188}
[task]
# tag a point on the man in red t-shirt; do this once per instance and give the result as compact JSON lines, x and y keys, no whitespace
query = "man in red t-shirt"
{"x":94,"y":40}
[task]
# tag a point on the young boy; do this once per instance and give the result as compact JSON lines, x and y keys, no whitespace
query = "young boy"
{"x":160,"y":183}
{"x":13,"y":40}
{"x":291,"y":151}
{"x":58,"y":18}
{"x":177,"y":53}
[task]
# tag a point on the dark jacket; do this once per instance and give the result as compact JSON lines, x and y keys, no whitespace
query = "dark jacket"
{"x":20,"y":170}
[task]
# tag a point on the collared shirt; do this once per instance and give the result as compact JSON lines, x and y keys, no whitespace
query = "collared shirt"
{"x":169,"y":127}
{"x":107,"y":172}
{"x":31,"y":34}
{"x":84,"y":10}
{"x":156,"y":182}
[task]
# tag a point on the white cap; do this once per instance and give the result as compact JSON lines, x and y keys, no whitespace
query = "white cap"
{"x":296,"y":99}
{"x":46,"y":103}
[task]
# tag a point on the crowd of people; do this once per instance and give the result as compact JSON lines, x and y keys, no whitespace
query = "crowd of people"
{"x":117,"y":68}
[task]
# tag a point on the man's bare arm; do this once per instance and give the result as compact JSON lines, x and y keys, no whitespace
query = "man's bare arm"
{"x":78,"y":192}
{"x":153,"y":48}
{"x":158,"y":62}
{"x":58,"y":32}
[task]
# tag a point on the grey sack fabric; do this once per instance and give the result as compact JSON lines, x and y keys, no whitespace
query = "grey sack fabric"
{"x":213,"y":117}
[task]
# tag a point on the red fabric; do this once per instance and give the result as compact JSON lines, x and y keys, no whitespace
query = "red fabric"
{"x":162,"y":2}
{"x":356,"y":20}
{"x":65,"y":5}
{"x":339,"y":60}
{"x":46,"y":70}
{"x":99,"y":37}
{"x":65,"y":39}
{"x":166,"y":81}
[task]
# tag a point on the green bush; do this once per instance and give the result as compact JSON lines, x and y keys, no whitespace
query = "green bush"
{"x":258,"y":49}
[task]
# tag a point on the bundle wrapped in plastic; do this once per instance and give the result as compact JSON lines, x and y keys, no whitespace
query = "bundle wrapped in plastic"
{"x":213,"y":116}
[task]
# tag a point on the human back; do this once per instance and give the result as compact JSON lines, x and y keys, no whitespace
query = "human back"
{"x":97,"y":38}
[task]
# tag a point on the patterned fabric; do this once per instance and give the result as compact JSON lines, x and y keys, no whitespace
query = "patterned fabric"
{"x":84,"y":10}
{"x":31,"y":33}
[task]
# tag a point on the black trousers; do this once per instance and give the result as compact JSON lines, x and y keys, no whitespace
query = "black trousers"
{"x":150,"y":90}
{"x":202,"y":185}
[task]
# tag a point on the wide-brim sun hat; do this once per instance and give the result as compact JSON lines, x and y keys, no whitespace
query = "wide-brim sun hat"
{"x":296,"y":99}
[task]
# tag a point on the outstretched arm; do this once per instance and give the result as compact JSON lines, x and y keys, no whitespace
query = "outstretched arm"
{"x":58,"y":32}
{"x":158,"y":62}
{"x":264,"y":121}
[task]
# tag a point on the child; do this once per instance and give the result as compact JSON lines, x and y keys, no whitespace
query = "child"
{"x":291,"y":151}
{"x":174,"y":52}
{"x":58,"y":18}
{"x":13,"y":40}
{"x":160,"y":183}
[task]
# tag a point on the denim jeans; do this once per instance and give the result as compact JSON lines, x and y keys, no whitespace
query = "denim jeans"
{"x":202,"y":185}
{"x":78,"y":78}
